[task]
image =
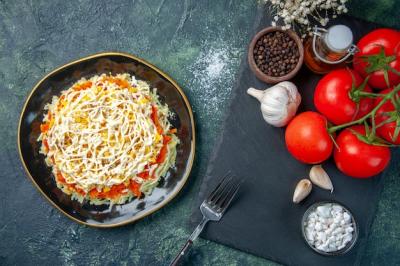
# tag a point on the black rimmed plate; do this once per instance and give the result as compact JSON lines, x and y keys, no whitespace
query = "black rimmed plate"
{"x":62,"y":78}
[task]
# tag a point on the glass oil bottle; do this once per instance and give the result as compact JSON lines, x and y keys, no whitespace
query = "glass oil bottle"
{"x":329,"y":49}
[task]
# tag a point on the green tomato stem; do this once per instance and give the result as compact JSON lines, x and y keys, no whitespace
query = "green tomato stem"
{"x":385,"y":98}
{"x":370,"y":94}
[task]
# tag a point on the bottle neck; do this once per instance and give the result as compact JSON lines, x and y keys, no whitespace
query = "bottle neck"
{"x":327,"y":53}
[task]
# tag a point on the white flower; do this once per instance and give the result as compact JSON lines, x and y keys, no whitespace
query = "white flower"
{"x":302,"y":12}
{"x":324,"y":21}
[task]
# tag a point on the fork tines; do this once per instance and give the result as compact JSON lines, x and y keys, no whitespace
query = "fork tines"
{"x":225,"y":191}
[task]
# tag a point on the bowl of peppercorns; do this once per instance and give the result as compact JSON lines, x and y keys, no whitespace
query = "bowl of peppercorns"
{"x":275,"y":54}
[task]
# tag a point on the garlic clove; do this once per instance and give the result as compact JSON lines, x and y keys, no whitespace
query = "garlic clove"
{"x":320,"y":178}
{"x":302,"y":190}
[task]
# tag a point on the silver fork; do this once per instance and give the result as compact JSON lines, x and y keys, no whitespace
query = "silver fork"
{"x":212,"y":208}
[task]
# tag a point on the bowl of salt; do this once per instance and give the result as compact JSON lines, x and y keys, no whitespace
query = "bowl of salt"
{"x":329,"y":228}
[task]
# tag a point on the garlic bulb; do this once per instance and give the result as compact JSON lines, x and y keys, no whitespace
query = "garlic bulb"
{"x":278,"y":103}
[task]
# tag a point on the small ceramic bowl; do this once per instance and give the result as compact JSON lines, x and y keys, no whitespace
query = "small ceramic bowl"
{"x":348,"y":246}
{"x":261,"y":75}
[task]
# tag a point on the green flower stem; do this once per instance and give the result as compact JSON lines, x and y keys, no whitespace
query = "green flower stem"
{"x":371,"y":114}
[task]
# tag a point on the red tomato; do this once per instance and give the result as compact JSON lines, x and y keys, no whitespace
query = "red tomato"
{"x":335,"y":99}
{"x":307,"y":138}
{"x":385,"y":112}
{"x":376,"y":64}
{"x":359,"y":159}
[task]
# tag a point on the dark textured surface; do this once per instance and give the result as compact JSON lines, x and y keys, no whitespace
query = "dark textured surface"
{"x":200,"y":44}
{"x":256,"y":152}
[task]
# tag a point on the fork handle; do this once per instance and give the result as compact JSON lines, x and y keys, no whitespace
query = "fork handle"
{"x":181,"y":255}
{"x":179,"y":258}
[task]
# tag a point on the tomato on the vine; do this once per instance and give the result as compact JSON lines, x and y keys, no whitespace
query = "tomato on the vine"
{"x":307,"y":138}
{"x":337,"y":96}
{"x":387,"y":119}
{"x":379,"y":56}
{"x":356,"y":158}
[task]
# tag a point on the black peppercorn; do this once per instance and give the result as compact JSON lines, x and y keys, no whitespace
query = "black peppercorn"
{"x":276,"y":54}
